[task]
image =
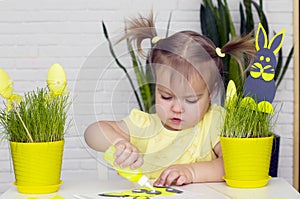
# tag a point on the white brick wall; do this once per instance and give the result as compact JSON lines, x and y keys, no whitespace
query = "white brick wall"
{"x":35,"y":34}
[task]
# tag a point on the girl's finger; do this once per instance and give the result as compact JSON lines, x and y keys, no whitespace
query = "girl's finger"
{"x":119,"y":150}
{"x":131,"y":158}
{"x":173,"y":176}
{"x":138,"y":163}
{"x":162,"y":178}
{"x":123,"y":156}
{"x":181,"y":180}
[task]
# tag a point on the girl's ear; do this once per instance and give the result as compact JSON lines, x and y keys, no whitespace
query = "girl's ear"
{"x":276,"y":42}
{"x":261,"y":38}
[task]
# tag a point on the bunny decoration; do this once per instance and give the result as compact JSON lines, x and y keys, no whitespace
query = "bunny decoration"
{"x":260,"y":84}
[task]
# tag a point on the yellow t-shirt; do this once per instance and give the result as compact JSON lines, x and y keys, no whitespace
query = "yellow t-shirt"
{"x":162,"y":147}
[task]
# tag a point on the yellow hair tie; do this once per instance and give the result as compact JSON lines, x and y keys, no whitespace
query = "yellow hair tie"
{"x":155,"y":39}
{"x":219,"y":52}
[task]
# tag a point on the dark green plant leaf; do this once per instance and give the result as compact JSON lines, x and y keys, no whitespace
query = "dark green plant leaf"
{"x":141,"y":78}
{"x":168,"y":26}
{"x":208,"y":24}
{"x":279,"y":65}
{"x":243,"y":21}
{"x":229,"y":20}
{"x":235,"y":73}
{"x":249,"y":16}
{"x":262,"y":16}
{"x":288,"y":60}
{"x":120,"y":65}
{"x":223,"y":28}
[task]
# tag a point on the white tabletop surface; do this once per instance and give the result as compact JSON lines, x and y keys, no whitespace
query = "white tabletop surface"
{"x":277,"y":188}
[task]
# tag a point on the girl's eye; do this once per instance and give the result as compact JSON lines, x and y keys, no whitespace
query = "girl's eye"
{"x":192,"y":100}
{"x":166,"y":97}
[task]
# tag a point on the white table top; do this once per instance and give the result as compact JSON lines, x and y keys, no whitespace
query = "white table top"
{"x":276,"y":188}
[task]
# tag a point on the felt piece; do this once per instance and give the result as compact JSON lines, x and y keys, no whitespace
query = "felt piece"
{"x":159,"y":191}
{"x":230,"y":93}
{"x":57,"y":197}
{"x":260,"y":84}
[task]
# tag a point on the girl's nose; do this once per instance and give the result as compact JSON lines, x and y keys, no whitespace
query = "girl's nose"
{"x":177,"y":106}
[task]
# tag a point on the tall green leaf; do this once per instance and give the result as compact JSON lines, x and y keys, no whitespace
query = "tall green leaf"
{"x":208,"y":24}
{"x":141,"y":78}
{"x":120,"y":65}
{"x":285,"y":67}
{"x":249,"y":16}
{"x":262,"y":16}
{"x":243,"y":21}
{"x":229,"y":20}
{"x":223,"y":28}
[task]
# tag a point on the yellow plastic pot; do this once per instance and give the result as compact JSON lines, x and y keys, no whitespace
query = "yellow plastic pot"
{"x":246,"y":161}
{"x":37,"y":166}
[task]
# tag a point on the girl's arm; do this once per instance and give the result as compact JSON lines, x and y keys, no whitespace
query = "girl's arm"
{"x":102,"y":134}
{"x":209,"y":171}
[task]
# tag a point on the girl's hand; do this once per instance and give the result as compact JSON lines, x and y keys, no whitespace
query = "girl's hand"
{"x":127,"y":155}
{"x":179,"y":174}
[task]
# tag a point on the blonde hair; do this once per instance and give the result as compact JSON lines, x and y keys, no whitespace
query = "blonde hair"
{"x":187,"y":51}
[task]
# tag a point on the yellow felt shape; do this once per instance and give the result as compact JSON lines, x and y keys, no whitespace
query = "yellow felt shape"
{"x":132,"y":193}
{"x":57,"y":197}
{"x":230,"y":93}
{"x":266,"y":107}
{"x":248,"y":102}
{"x":56,"y":80}
{"x":266,"y":72}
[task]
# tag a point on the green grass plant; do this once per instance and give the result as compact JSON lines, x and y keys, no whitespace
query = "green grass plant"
{"x":245,"y":121}
{"x":43,"y":114}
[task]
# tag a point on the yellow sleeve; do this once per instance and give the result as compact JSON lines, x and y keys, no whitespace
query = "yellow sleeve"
{"x":211,"y":126}
{"x":138,"y":124}
{"x":217,"y":119}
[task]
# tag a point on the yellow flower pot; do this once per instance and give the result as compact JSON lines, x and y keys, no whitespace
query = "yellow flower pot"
{"x":246,"y":161}
{"x":37,"y":166}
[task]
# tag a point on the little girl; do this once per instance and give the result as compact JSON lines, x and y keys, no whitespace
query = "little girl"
{"x":179,"y":144}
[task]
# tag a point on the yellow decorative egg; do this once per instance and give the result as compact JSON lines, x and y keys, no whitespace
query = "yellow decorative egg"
{"x":56,"y":79}
{"x":6,"y":85}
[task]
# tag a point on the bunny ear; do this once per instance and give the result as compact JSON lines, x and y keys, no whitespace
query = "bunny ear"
{"x":261,"y":38}
{"x":276,"y":42}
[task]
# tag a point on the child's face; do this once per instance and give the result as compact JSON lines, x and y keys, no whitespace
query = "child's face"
{"x":180,"y":104}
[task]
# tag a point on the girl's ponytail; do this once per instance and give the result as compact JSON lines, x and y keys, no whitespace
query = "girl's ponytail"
{"x":139,"y":29}
{"x":241,"y":49}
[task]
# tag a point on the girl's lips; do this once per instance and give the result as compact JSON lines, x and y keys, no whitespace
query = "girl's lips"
{"x":176,"y":120}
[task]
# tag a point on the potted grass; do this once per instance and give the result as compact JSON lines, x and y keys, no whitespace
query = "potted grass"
{"x":246,"y":141}
{"x":217,"y":24}
{"x":35,"y":125}
{"x":247,"y":134}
